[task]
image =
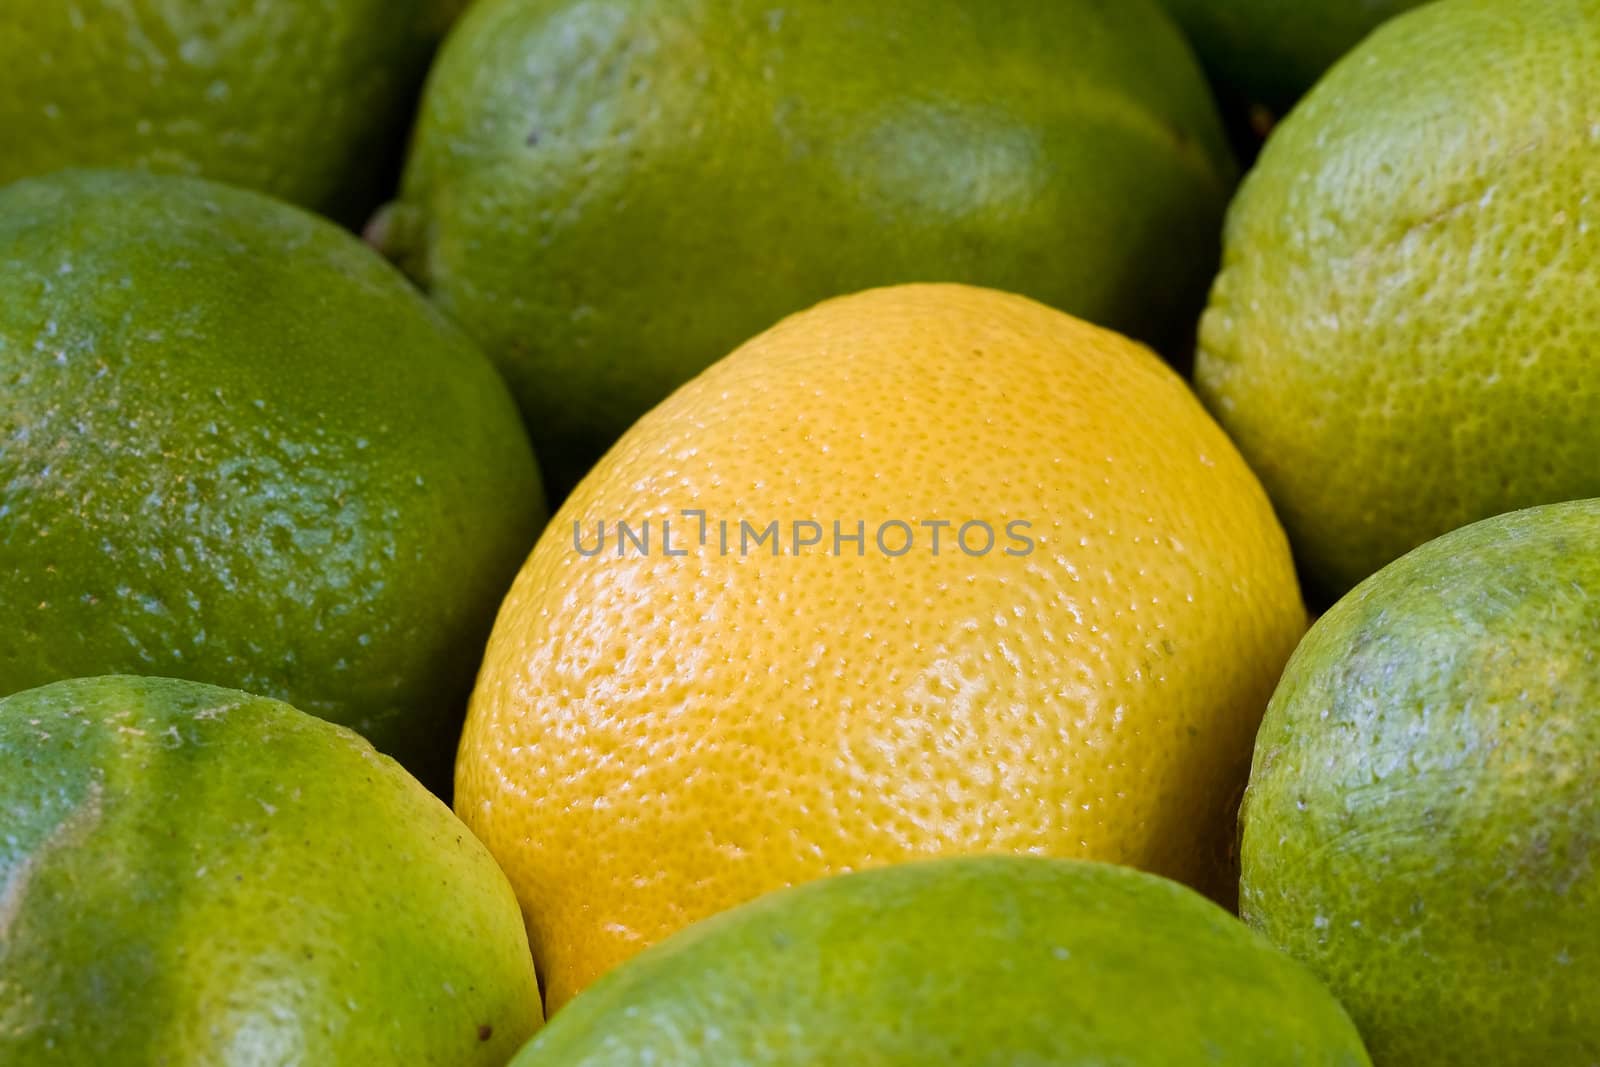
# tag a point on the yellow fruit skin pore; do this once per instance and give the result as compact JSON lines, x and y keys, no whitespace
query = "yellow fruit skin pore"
{"x":654,"y":739}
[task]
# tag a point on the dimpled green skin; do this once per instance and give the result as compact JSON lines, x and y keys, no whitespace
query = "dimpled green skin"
{"x":195,"y":875}
{"x":1272,"y":51}
{"x":982,"y":961}
{"x":611,"y":194}
{"x":1422,"y":825}
{"x":304,"y":99}
{"x":1402,"y":337}
{"x":236,"y":447}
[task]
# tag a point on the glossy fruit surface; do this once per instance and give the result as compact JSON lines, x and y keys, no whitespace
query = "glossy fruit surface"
{"x":197,"y":876}
{"x":1421,"y":821}
{"x":990,"y":961}
{"x":236,"y":447}
{"x":304,"y":99}
{"x":1402,"y":337}
{"x":658,"y":735}
{"x":611,"y":195}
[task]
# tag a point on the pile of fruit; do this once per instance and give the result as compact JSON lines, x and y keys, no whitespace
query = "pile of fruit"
{"x":928,"y":681}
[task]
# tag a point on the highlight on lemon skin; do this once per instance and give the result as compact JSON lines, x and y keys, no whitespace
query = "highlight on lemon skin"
{"x":660,"y":734}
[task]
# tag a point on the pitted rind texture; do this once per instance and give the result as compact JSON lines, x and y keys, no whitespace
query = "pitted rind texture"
{"x":236,"y":447}
{"x":193,"y":876}
{"x":1423,"y":815}
{"x":610,"y":196}
{"x":1403,"y":336}
{"x":992,"y":961}
{"x":655,"y":738}
{"x":307,"y":100}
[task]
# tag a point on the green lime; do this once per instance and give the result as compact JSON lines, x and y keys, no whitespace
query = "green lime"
{"x":1402,"y":337}
{"x":981,"y":961}
{"x":305,"y":99}
{"x":609,"y":196}
{"x":1422,"y":826}
{"x":239,"y":448}
{"x":1272,"y":51}
{"x":197,"y":876}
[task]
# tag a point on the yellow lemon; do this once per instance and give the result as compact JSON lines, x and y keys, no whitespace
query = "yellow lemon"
{"x":929,"y":570}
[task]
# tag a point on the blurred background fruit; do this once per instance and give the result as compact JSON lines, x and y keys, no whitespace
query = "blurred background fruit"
{"x":1269,"y":52}
{"x":305,"y":99}
{"x":610,"y":195}
{"x":1000,"y":960}
{"x":1424,"y":811}
{"x":657,"y":737}
{"x":1401,"y":340}
{"x":200,"y":876}
{"x":240,"y":449}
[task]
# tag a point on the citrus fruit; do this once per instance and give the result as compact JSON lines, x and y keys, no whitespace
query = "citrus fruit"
{"x":1402,"y":334}
{"x":609,"y":196}
{"x":806,"y":673}
{"x":300,"y":98}
{"x":1423,"y":813}
{"x":195,"y":875}
{"x":997,"y":960}
{"x":1272,"y":51}
{"x":236,"y":447}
